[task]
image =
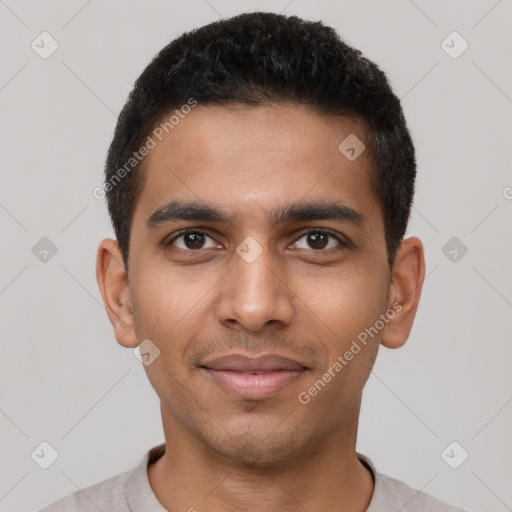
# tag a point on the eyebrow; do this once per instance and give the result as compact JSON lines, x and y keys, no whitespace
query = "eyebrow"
{"x":179,"y":210}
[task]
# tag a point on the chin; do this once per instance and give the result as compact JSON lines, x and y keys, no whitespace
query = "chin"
{"x":260,"y":445}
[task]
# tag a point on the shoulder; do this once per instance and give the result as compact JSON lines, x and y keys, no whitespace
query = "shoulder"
{"x":408,"y":499}
{"x":126,"y":492}
{"x":393,"y":495}
{"x":108,"y":495}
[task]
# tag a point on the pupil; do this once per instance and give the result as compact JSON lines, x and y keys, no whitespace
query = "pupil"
{"x":194,"y":240}
{"x":317,"y":240}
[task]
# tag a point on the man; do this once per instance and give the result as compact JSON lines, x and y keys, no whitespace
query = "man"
{"x":259,"y":182}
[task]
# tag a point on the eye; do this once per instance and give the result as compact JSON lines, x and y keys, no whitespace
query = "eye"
{"x":192,"y":240}
{"x":318,"y":240}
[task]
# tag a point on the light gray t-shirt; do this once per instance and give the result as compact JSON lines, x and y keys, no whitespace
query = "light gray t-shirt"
{"x":131,"y":492}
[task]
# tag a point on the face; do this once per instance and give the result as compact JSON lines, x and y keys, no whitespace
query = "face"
{"x":255,"y":235}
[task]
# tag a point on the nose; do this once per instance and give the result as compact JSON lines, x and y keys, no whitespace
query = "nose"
{"x":255,"y":294}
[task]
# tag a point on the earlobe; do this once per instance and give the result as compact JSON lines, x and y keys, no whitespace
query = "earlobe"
{"x":113,"y":284}
{"x":406,"y":283}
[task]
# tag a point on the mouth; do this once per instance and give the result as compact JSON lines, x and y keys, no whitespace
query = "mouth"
{"x":253,"y":378}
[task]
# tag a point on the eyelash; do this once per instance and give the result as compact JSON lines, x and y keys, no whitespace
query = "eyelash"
{"x":333,"y":234}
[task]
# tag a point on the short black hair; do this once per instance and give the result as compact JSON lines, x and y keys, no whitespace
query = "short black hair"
{"x":255,"y":59}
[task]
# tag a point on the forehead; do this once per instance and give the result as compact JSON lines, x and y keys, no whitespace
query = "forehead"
{"x":250,"y":160}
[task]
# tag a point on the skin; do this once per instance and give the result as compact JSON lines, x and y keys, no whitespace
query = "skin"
{"x":225,"y":453}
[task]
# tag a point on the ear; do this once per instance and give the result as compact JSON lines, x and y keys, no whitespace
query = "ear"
{"x":113,"y":283}
{"x":407,"y":278}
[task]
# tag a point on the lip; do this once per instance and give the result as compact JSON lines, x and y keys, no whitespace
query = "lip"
{"x":243,"y":363}
{"x":253,"y":378}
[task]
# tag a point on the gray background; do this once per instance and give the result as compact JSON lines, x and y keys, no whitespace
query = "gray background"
{"x":65,"y":380}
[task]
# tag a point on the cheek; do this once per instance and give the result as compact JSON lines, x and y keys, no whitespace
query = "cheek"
{"x":172,"y":309}
{"x":161,"y":303}
{"x":346,"y":302}
{"x":342,"y":307}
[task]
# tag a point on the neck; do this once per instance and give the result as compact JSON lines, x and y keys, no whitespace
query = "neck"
{"x":327,"y":475}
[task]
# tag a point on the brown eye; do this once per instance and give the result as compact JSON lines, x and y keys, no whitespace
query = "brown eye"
{"x":318,"y":240}
{"x":192,"y":241}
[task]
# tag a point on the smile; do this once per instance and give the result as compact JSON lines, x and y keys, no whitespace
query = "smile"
{"x":253,"y":385}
